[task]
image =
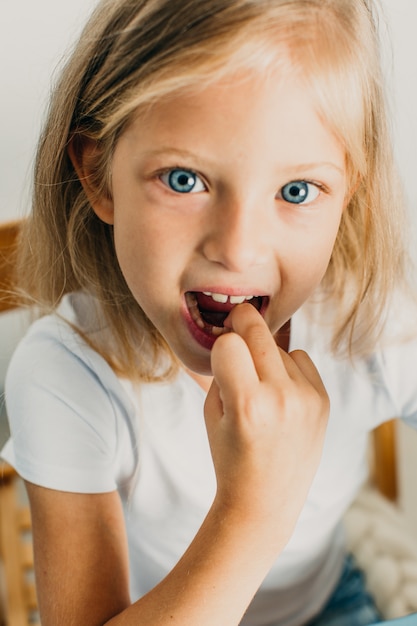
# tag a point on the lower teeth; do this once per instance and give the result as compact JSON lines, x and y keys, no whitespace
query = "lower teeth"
{"x":196,"y":316}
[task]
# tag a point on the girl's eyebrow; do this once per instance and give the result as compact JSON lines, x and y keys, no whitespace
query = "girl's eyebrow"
{"x":290,"y":170}
{"x":195,"y":161}
{"x":314,"y":165}
{"x":170,"y":151}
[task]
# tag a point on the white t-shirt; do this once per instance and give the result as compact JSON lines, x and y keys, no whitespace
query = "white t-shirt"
{"x":77,"y":427}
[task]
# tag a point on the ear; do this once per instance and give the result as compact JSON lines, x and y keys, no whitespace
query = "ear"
{"x":84,"y":154}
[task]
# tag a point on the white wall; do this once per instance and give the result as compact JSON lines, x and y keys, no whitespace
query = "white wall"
{"x":34,"y":35}
{"x":402,"y":17}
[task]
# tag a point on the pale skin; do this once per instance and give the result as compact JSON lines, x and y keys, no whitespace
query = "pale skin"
{"x":266,"y":410}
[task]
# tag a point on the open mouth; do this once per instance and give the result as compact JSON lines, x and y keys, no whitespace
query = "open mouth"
{"x":210,"y":310}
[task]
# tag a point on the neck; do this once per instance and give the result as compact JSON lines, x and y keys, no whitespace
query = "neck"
{"x":203,"y":381}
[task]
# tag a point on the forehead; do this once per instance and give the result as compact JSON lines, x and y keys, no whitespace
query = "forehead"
{"x":254,"y":63}
{"x":274,"y":113}
{"x":302,"y":51}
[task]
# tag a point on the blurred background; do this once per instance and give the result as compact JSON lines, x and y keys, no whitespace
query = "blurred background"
{"x":34,"y":37}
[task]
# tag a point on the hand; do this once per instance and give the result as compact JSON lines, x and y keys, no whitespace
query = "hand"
{"x":266,"y":415}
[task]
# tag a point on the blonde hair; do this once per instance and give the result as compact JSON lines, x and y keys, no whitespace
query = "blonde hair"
{"x":135,"y":52}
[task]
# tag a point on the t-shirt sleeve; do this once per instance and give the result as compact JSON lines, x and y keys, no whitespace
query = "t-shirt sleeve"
{"x":399,"y":367}
{"x":401,"y":373}
{"x":65,"y":416}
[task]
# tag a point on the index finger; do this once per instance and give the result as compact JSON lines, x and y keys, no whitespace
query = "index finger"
{"x":249,"y":324}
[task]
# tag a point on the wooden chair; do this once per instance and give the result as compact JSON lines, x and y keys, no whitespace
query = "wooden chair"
{"x":8,"y":238}
{"x":384,"y":472}
{"x":15,"y":550}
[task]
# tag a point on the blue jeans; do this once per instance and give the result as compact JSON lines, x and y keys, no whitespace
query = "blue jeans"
{"x":350,"y":603}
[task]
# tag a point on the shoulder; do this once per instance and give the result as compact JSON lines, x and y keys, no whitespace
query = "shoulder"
{"x":387,"y":374}
{"x":397,"y":358}
{"x":68,"y":410}
{"x":53,"y":353}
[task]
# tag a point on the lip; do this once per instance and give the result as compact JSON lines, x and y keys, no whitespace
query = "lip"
{"x":203,"y":338}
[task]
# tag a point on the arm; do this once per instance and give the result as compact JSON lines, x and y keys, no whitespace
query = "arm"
{"x":266,"y":417}
{"x":82,"y":566}
{"x":81,"y":561}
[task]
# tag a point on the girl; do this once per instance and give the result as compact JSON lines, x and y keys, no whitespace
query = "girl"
{"x":214,"y":210}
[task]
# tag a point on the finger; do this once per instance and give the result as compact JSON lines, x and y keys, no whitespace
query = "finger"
{"x":247,"y":322}
{"x":305,"y":367}
{"x":233,"y":370}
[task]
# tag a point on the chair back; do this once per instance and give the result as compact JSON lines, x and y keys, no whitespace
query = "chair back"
{"x":16,"y":552}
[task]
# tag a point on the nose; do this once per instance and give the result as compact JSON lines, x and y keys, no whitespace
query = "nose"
{"x":238,"y":234}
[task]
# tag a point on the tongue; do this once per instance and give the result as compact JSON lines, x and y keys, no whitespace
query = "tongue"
{"x":213,"y":313}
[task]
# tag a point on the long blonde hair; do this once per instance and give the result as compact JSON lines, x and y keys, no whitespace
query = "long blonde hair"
{"x":135,"y":52}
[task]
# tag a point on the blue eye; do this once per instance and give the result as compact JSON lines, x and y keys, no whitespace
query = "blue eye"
{"x":299,"y":192}
{"x":183,"y":181}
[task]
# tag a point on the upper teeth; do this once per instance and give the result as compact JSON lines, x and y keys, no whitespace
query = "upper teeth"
{"x":223,"y":298}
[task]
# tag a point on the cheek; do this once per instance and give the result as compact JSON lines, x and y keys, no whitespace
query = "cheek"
{"x":326,"y":235}
{"x":133,"y":254}
{"x":307,"y":266}
{"x":315,"y":252}
{"x":135,"y":264}
{"x":148,"y":261}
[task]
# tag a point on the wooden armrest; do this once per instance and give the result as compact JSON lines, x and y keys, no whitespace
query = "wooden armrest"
{"x":8,"y":240}
{"x":385,"y":462}
{"x":7,"y":473}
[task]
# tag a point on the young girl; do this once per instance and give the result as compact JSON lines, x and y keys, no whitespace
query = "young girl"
{"x":214,"y":210}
